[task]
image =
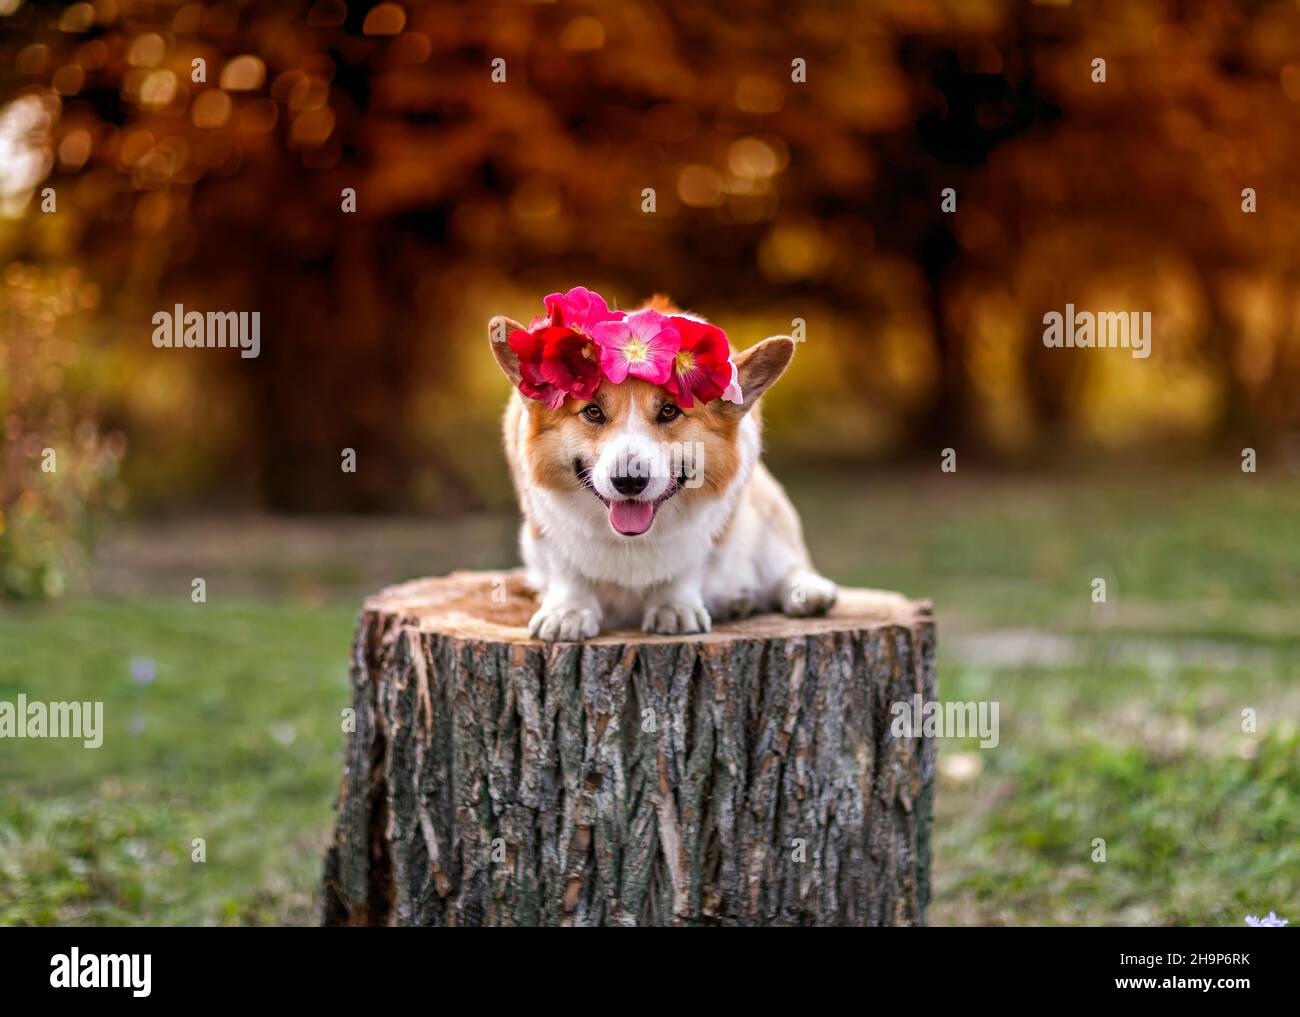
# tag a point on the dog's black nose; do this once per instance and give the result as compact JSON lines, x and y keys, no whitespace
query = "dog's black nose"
{"x":629,"y":485}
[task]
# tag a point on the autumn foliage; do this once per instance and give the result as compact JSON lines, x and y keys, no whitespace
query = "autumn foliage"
{"x":379,"y":180}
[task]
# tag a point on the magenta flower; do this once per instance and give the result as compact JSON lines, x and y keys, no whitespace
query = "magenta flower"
{"x":641,"y":345}
{"x":579,"y":310}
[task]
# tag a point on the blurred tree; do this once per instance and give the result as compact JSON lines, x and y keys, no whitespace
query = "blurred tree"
{"x":818,"y":190}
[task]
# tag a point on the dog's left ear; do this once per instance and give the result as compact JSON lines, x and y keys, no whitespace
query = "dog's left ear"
{"x":758,"y":368}
{"x":499,"y":329}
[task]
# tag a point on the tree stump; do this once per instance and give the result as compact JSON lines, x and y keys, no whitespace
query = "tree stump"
{"x":746,"y":776}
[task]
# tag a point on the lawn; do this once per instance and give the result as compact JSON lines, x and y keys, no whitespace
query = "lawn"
{"x":1120,"y":721}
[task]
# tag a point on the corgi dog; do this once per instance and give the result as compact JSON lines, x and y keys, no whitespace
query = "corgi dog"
{"x":638,"y":511}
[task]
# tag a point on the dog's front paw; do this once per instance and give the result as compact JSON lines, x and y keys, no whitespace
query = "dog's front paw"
{"x":805,"y":592}
{"x":736,"y":608}
{"x":676,"y":618}
{"x":564,"y":623}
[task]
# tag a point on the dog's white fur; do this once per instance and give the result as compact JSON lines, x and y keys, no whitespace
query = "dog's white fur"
{"x":721,"y":557}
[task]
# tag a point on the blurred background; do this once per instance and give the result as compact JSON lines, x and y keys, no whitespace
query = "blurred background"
{"x":353,"y":172}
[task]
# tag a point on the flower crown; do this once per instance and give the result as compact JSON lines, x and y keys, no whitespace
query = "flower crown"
{"x":566,"y":352}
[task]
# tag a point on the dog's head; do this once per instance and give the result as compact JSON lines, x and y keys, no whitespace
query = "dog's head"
{"x":630,"y":450}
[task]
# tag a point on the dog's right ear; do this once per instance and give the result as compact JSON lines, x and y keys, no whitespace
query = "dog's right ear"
{"x":499,"y":329}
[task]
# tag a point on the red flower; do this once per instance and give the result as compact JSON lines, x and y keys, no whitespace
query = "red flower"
{"x":527,"y":346}
{"x":571,"y":362}
{"x":702,"y":368}
{"x":555,"y":363}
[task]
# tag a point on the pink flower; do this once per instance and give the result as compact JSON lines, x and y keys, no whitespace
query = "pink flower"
{"x":702,"y":367}
{"x":580,"y":310}
{"x":641,"y":345}
{"x":733,"y":393}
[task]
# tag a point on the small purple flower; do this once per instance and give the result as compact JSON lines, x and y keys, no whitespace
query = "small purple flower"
{"x":1271,"y":921}
{"x":143,"y":671}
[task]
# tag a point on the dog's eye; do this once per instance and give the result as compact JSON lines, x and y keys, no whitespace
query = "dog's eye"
{"x":668,"y":411}
{"x":594,"y":414}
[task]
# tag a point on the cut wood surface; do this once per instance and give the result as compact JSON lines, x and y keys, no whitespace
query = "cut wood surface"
{"x":744,"y":776}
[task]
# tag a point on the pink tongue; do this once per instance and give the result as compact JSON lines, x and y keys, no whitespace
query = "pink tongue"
{"x":631,"y":517}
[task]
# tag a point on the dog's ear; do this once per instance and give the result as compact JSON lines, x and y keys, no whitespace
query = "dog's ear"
{"x":758,"y":367}
{"x":499,"y":329}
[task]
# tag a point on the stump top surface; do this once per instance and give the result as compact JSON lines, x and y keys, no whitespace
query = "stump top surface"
{"x":496,"y":606}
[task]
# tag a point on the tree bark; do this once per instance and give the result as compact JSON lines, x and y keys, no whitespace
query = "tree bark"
{"x":747,"y":776}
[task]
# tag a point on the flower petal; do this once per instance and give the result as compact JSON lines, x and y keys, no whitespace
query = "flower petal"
{"x":732,"y":394}
{"x":580,"y":309}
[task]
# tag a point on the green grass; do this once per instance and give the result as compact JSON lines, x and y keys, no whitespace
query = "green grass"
{"x":1120,"y":721}
{"x":1130,"y":730}
{"x":1182,"y":551}
{"x":235,"y":741}
{"x":1201,"y":821}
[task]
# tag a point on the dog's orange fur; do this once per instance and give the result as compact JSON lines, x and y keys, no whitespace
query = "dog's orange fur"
{"x":557,"y":436}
